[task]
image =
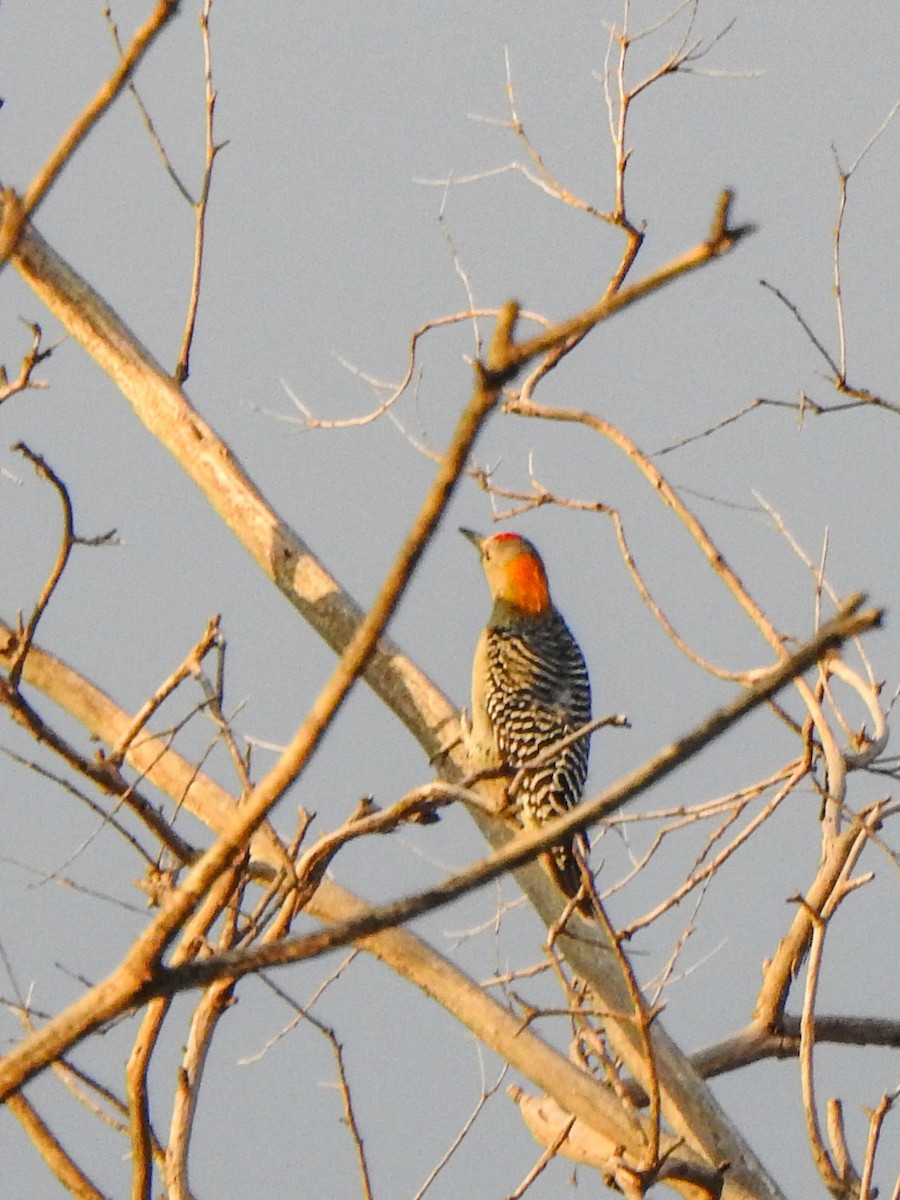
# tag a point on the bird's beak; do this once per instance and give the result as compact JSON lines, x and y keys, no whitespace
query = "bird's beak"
{"x":476,"y":539}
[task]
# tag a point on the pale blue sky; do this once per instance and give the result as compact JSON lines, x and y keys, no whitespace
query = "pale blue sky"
{"x":322,"y":246}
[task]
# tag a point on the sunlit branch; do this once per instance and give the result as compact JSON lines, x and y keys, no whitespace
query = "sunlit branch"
{"x":62,"y":1165}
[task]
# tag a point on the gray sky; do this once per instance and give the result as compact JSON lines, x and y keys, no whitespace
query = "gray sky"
{"x":322,"y":247}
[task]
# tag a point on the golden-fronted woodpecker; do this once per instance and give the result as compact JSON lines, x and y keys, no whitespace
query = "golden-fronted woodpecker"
{"x":530,"y":689}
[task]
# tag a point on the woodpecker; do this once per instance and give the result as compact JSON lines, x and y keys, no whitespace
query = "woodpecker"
{"x":530,"y":689}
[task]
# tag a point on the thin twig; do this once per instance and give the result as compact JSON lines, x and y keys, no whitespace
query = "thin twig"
{"x":876,"y":1123}
{"x":62,"y":558}
{"x":704,"y":874}
{"x":546,"y":1157}
{"x":642,"y":1017}
{"x":32,"y":359}
{"x":190,"y":666}
{"x":393,"y":391}
{"x":349,"y":1111}
{"x":106,"y":819}
{"x":145,"y":115}
{"x":15,"y":211}
{"x":487,"y":1091}
{"x":108,"y":779}
{"x":862,"y":396}
{"x":844,"y":178}
{"x":201,"y":205}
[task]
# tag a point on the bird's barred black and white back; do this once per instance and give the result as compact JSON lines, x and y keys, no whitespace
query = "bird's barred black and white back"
{"x":538,"y":693}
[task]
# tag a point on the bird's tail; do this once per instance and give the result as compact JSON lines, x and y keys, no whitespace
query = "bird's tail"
{"x":569,"y":865}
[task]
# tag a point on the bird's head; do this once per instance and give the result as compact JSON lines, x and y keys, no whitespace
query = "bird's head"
{"x":514,"y":569}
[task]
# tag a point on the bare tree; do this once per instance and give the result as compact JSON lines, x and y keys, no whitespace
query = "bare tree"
{"x":232,"y":897}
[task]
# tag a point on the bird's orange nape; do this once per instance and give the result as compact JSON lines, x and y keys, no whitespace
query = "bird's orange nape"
{"x":527,"y":583}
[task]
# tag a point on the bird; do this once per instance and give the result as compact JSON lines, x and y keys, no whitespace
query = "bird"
{"x":530,"y":689}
